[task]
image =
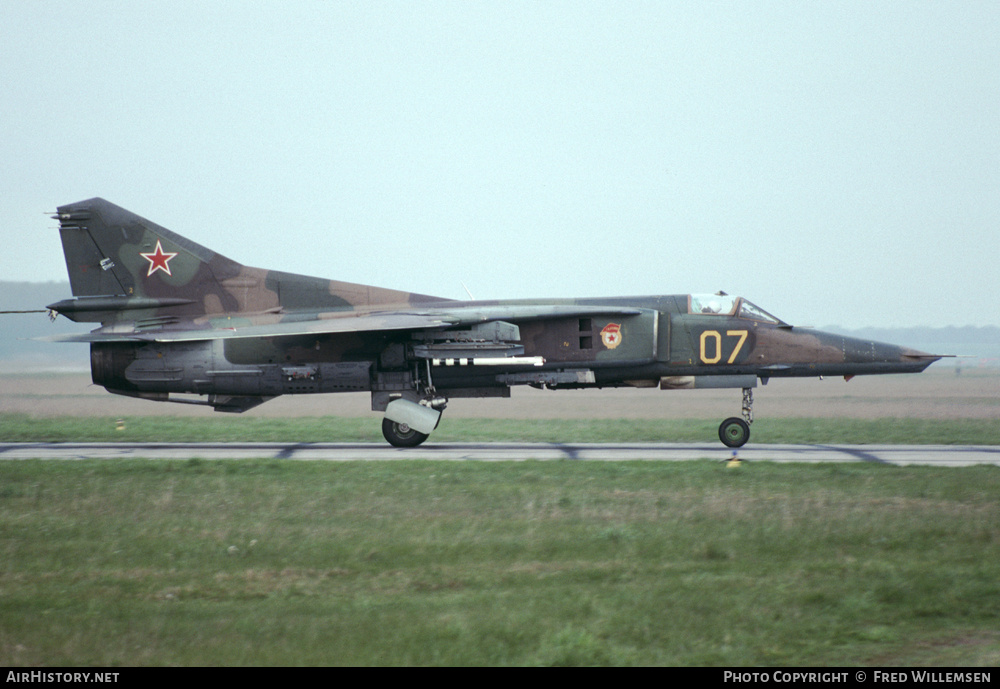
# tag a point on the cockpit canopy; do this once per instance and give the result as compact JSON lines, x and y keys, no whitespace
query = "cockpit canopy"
{"x":729,"y":305}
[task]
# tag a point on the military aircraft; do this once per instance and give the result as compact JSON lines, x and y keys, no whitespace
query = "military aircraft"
{"x":179,"y":319}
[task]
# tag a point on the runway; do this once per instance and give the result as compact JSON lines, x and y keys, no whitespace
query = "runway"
{"x":901,"y":455}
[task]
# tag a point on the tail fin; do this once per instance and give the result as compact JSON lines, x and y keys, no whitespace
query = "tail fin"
{"x":124,"y":267}
{"x":113,"y":252}
{"x":120,"y":262}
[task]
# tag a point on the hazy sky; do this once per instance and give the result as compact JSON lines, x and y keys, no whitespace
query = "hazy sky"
{"x":836,"y":162}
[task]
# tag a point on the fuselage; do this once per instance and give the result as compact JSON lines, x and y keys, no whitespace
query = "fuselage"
{"x":668,"y":341}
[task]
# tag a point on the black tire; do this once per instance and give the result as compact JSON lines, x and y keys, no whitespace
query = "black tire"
{"x":401,"y":435}
{"x":734,"y":432}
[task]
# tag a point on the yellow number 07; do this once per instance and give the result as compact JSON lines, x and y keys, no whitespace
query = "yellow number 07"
{"x":714,"y":335}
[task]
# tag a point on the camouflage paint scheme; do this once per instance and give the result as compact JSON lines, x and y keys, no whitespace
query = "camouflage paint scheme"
{"x":177,"y":318}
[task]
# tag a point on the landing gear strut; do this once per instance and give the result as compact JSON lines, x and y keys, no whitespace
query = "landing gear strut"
{"x":735,"y":432}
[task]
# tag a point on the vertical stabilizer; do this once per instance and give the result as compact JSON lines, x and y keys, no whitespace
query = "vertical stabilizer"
{"x":123,"y":267}
{"x":113,"y":252}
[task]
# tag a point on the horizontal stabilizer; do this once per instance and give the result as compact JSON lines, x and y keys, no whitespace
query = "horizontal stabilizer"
{"x":114,"y":303}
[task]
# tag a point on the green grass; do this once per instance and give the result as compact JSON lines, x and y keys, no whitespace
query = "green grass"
{"x":134,"y":562}
{"x":22,"y":428}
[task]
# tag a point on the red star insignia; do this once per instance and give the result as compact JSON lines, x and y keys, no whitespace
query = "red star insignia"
{"x":158,"y":260}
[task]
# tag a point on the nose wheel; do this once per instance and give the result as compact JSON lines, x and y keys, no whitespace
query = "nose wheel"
{"x":735,"y":432}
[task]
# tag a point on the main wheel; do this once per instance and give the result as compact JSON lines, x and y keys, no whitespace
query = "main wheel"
{"x":401,"y":435}
{"x":734,"y":432}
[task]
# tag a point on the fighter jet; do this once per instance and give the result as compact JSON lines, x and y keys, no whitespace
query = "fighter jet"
{"x":181,"y":323}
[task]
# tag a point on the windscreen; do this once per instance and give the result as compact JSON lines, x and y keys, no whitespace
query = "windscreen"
{"x":754,"y":312}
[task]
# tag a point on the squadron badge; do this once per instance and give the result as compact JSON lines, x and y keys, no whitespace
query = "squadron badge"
{"x":611,"y":336}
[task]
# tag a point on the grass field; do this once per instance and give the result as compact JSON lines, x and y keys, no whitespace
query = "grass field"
{"x":264,"y":562}
{"x":436,"y":563}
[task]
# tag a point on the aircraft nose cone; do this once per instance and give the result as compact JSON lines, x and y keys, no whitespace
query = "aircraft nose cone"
{"x":882,"y":357}
{"x":919,"y":359}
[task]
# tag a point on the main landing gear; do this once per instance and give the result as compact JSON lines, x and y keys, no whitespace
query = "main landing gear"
{"x":408,"y":423}
{"x":401,"y":435}
{"x":409,"y":418}
{"x":734,"y":431}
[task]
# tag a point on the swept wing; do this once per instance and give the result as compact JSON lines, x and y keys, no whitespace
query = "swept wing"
{"x":352,"y":322}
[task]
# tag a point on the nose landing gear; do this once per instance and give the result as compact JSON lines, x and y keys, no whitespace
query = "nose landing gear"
{"x":735,"y":432}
